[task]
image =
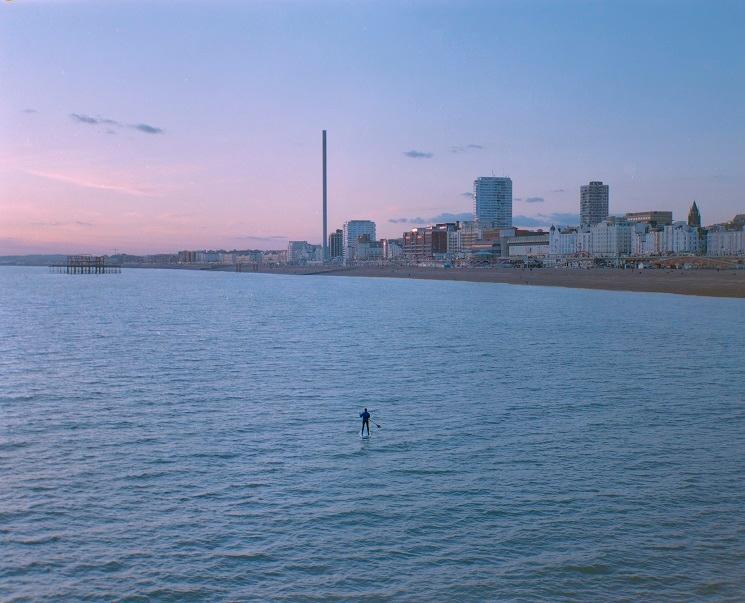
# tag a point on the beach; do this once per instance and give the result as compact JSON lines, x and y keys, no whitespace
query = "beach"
{"x":711,"y":283}
{"x":706,"y":282}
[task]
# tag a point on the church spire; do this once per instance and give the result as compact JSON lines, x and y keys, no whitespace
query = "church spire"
{"x":694,"y":216}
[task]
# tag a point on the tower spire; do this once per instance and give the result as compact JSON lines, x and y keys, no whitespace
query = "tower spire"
{"x":325,"y":233}
{"x":694,"y":216}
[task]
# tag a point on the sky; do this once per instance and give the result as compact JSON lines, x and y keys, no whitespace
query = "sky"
{"x":155,"y":126}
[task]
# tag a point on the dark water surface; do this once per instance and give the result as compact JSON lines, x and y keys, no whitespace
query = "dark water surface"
{"x":171,"y":435}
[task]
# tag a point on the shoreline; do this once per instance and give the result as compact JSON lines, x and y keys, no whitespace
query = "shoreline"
{"x":707,"y":283}
{"x":702,"y":282}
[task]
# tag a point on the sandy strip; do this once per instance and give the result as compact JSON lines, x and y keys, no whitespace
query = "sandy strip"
{"x":712,"y":283}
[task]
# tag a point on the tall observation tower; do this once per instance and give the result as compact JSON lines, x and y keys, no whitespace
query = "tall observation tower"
{"x":325,"y":226}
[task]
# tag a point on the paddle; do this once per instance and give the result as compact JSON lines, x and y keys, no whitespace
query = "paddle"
{"x":372,"y":421}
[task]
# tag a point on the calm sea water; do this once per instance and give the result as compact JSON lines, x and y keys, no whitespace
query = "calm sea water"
{"x":172,"y":435}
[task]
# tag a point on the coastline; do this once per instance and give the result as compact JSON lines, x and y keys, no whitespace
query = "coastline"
{"x":707,"y":283}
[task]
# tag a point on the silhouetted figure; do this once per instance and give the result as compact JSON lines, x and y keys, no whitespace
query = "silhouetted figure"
{"x":365,"y":422}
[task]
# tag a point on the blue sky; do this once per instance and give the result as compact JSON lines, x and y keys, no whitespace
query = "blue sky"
{"x":198,"y":123}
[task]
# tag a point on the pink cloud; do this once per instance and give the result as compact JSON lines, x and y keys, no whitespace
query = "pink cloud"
{"x":85,"y":183}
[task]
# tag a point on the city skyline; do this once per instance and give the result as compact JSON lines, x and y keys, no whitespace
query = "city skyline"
{"x":159,"y":141}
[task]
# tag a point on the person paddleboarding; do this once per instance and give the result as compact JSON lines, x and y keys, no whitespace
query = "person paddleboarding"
{"x":365,"y":422}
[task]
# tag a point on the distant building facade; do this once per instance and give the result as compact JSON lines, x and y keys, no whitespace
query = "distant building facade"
{"x":611,"y":238}
{"x":492,"y":201}
{"x":393,"y":249}
{"x":563,"y":241}
{"x":694,"y":216}
{"x":427,"y":243}
{"x":336,"y":244}
{"x":302,"y":252}
{"x":726,"y":240}
{"x":468,"y":233}
{"x":352,"y":232}
{"x":367,"y":250}
{"x":653,"y":218}
{"x":593,"y":203}
{"x":525,"y":244}
{"x":672,"y":239}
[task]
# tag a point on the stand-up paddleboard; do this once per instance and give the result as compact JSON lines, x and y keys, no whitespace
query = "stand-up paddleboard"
{"x":365,"y":437}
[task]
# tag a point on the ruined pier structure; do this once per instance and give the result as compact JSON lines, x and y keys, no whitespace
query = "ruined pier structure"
{"x":86,"y":264}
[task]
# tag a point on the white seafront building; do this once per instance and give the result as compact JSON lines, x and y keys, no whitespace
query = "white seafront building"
{"x":672,"y":239}
{"x":725,"y":242}
{"x":615,"y":237}
{"x":563,"y":241}
{"x":611,"y":238}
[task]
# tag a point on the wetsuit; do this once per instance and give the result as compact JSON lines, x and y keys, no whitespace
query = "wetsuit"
{"x":365,"y":422}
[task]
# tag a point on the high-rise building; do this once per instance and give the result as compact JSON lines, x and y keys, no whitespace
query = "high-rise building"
{"x":353,"y":230}
{"x":694,"y":216}
{"x":593,"y":203}
{"x":492,"y":201}
{"x":336,"y":243}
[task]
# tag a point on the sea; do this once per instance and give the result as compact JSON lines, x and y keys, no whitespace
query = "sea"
{"x":177,"y":435}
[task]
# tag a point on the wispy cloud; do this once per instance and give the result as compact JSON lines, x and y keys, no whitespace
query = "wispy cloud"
{"x":546,"y":220}
{"x":407,"y":221}
{"x":463,"y":148}
{"x":468,"y":195}
{"x":264,"y":239}
{"x":29,"y":111}
{"x":534,"y":199}
{"x":448,"y":217}
{"x":414,"y":154}
{"x":558,"y":190}
{"x":438,"y":219}
{"x":56,"y":224}
{"x":96,"y":121}
{"x":85,"y":183}
{"x":84,"y":119}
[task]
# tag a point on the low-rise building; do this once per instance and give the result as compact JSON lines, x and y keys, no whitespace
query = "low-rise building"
{"x":525,"y":244}
{"x":275,"y":257}
{"x":678,"y":238}
{"x":392,"y":248}
{"x":652,"y":217}
{"x":723,"y":241}
{"x":427,"y":243}
{"x":302,"y":252}
{"x":562,"y":241}
{"x":207,"y":257}
{"x":468,"y":233}
{"x":367,"y":250}
{"x":611,"y":238}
